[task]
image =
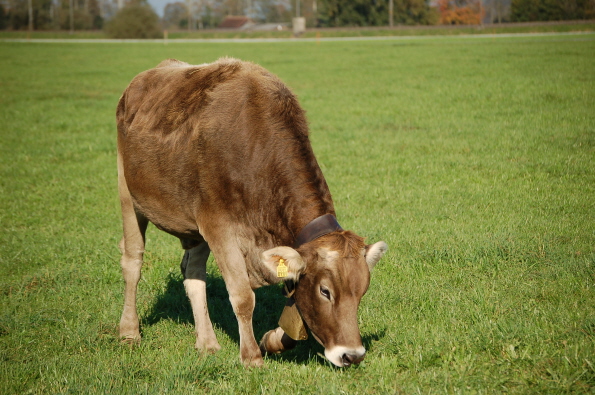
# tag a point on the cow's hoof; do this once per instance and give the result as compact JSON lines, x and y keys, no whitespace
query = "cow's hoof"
{"x":207,"y":348}
{"x":254,"y":362}
{"x":251,"y":357}
{"x":129,"y":332}
{"x":130,"y":339}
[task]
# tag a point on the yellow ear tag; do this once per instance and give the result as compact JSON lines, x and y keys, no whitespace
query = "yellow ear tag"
{"x":281,"y":269}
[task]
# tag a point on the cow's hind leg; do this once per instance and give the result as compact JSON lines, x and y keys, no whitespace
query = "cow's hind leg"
{"x":194,"y":269}
{"x":132,"y":247}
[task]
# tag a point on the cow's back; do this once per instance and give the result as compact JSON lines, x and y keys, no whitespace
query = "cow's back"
{"x":221,"y":140}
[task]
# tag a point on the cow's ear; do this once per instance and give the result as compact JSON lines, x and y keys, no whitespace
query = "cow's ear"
{"x":374,"y":252}
{"x":291,"y":259}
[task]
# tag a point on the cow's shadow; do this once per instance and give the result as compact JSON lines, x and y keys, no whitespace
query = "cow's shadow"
{"x":173,"y":304}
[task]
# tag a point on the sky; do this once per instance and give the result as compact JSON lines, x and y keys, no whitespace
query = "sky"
{"x":159,"y":5}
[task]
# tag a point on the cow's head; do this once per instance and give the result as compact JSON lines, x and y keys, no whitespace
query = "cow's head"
{"x":331,"y":274}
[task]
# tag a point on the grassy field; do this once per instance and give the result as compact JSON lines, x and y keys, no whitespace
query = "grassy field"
{"x":473,"y":158}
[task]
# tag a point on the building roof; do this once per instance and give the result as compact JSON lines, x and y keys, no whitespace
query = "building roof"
{"x":235,"y":22}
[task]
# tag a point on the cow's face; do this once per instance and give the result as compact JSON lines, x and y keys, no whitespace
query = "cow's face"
{"x":332,"y":274}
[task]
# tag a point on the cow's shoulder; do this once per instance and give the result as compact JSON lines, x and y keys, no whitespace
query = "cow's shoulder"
{"x":172,"y":63}
{"x":185,"y":79}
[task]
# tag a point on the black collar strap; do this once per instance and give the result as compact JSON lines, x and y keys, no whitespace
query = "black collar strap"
{"x":319,"y":227}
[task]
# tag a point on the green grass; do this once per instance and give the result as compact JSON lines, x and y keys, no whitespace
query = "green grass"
{"x":473,"y":158}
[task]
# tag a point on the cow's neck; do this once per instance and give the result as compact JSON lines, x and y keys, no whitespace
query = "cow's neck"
{"x":303,"y":192}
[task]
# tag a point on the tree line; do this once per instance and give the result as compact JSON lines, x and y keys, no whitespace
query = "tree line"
{"x":551,"y":10}
{"x":195,"y":14}
{"x":52,"y":14}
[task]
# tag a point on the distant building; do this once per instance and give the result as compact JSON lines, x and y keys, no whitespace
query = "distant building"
{"x":236,"y":22}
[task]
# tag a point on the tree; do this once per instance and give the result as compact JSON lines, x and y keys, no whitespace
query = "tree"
{"x":135,"y":20}
{"x":497,"y":10}
{"x":460,"y":12}
{"x":175,"y":14}
{"x":374,"y":12}
{"x":551,"y":10}
{"x":233,"y":7}
{"x":51,"y":14}
{"x":19,"y":14}
{"x":352,"y":13}
{"x":86,"y":15}
{"x":414,"y":12}
{"x":276,"y":11}
{"x":3,"y":18}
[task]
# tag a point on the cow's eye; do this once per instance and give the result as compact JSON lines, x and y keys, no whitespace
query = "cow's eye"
{"x":325,"y":292}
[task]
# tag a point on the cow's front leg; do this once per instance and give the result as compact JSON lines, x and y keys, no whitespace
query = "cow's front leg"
{"x":233,"y":268}
{"x":243,"y":301}
{"x":194,"y":269}
{"x":276,"y":341}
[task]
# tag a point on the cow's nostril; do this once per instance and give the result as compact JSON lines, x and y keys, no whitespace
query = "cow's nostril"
{"x":351,"y":359}
{"x":346,"y":359}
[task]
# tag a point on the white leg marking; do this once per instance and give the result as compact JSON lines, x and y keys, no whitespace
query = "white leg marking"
{"x":196,"y":288}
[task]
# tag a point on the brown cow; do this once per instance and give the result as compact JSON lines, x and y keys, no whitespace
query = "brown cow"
{"x":218,"y":155}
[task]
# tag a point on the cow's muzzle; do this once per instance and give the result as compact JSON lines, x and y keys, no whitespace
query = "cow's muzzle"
{"x":352,"y":359}
{"x":343,"y":356}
